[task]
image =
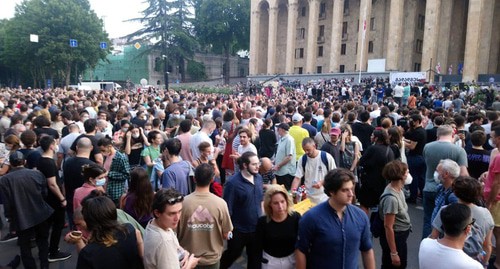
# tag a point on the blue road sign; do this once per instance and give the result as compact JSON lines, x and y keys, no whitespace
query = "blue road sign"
{"x":49,"y":83}
{"x":73,"y":43}
{"x":103,"y":45}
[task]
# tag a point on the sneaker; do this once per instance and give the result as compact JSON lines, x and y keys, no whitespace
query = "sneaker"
{"x":59,"y":256}
{"x":9,"y":237}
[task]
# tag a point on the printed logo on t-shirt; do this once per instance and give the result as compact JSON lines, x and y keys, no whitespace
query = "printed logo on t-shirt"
{"x":201,"y":220}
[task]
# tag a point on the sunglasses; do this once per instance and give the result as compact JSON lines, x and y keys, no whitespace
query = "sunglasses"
{"x":175,"y":200}
{"x":471,"y":224}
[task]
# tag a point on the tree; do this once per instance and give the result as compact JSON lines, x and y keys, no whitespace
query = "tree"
{"x":167,"y":26}
{"x":223,"y":24}
{"x":55,"y":22}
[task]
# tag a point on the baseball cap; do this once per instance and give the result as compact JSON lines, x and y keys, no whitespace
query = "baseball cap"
{"x":16,"y":157}
{"x":297,"y":117}
{"x":335,"y":131}
{"x":284,"y":126}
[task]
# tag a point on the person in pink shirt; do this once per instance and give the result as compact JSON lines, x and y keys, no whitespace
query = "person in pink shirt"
{"x":95,"y":178}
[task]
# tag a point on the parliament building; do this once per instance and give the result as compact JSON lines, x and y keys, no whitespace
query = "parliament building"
{"x":337,"y":36}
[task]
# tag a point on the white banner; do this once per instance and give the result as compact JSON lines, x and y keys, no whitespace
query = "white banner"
{"x":410,"y":77}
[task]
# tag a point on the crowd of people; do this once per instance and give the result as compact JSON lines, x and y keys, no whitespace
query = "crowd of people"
{"x":176,"y":179}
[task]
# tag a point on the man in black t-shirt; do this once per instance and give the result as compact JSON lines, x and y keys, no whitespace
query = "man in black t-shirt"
{"x":55,"y":197}
{"x":72,"y":173}
{"x":363,"y":130}
{"x":478,"y":158}
{"x":415,"y":140}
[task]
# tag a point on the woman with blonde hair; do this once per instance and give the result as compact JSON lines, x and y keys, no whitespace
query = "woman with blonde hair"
{"x":277,"y":229}
{"x":323,"y":136}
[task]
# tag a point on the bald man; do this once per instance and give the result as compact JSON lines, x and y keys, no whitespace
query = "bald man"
{"x":266,"y":170}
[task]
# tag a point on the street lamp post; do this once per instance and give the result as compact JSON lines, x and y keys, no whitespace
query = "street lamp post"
{"x":165,"y":71}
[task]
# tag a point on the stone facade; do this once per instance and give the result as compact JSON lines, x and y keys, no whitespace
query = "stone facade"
{"x":336,"y":36}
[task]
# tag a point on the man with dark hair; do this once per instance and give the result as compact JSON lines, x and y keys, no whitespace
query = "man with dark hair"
{"x":205,"y":222}
{"x":477,"y":157}
{"x":363,"y":130}
{"x":308,"y":126}
{"x":55,"y":197}
{"x":447,"y":252}
{"x":331,"y":233}
{"x":67,"y":119}
{"x":243,"y":194}
{"x":176,"y":175}
{"x":23,"y":192}
{"x":185,"y":136}
{"x":161,"y":247}
{"x":414,"y":140}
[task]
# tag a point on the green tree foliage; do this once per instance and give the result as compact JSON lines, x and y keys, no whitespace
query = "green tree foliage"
{"x":196,"y":71}
{"x":223,"y":24}
{"x":55,"y":22}
{"x":168,"y":27}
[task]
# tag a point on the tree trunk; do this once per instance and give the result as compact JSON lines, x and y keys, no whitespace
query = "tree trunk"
{"x":182,"y":69}
{"x":67,"y":74}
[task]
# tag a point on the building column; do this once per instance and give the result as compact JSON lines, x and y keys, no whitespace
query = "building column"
{"x":395,"y":40}
{"x":312,"y":36}
{"x":431,"y":34}
{"x":486,"y":32}
{"x":336,"y":40}
{"x":444,"y":36}
{"x":271,"y":41}
{"x":495,"y":41}
{"x":254,"y":41}
{"x":293,"y":9}
{"x":365,"y":11}
{"x":473,"y":40}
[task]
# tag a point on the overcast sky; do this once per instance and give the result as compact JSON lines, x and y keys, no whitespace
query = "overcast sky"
{"x":113,"y":12}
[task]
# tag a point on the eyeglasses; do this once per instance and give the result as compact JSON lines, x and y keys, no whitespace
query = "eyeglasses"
{"x":470,"y":224}
{"x":175,"y":200}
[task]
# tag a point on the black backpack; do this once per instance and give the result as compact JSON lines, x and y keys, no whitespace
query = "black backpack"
{"x":376,"y":222}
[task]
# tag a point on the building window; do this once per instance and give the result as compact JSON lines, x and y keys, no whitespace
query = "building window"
{"x":321,"y":30}
{"x":344,"y":28}
{"x":370,"y":47}
{"x":158,"y":82}
{"x":342,"y":68}
{"x":303,"y":11}
{"x":418,"y":47}
{"x":421,"y":22}
{"x":299,"y":53}
{"x":346,"y":7}
{"x":320,"y":51}
{"x":417,"y":67}
{"x":301,"y":33}
{"x":157,"y":64}
{"x":343,"y":48}
{"x":372,"y":24}
{"x":357,"y":27}
{"x":322,"y":10}
{"x":299,"y":70}
{"x":319,"y":69}
{"x":356,"y":51}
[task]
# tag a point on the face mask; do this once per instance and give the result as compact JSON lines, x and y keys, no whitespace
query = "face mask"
{"x":146,"y":133}
{"x":437,"y":177}
{"x":135,"y":135}
{"x":490,"y":141}
{"x":56,"y":149}
{"x":124,"y":130}
{"x":408,"y":179}
{"x":8,"y":147}
{"x":100,"y":182}
{"x":175,"y":116}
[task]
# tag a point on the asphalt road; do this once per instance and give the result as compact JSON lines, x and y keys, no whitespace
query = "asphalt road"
{"x":10,"y":249}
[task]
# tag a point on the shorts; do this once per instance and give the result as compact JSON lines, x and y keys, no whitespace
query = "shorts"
{"x":495,"y":213}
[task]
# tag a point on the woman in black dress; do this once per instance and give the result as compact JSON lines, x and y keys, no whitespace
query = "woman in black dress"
{"x":277,"y":230}
{"x":373,"y":161}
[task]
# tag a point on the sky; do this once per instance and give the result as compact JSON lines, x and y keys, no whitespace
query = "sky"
{"x":113,"y":12}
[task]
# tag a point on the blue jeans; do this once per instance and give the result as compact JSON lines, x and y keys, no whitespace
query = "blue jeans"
{"x":429,"y":203}
{"x":416,"y":164}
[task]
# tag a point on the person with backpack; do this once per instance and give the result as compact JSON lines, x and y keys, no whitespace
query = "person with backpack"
{"x":313,"y":166}
{"x":478,"y":245}
{"x":393,"y":210}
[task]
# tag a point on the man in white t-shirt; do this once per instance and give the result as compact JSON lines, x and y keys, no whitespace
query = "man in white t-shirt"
{"x":315,"y":171}
{"x":245,"y":145}
{"x":447,"y":252}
